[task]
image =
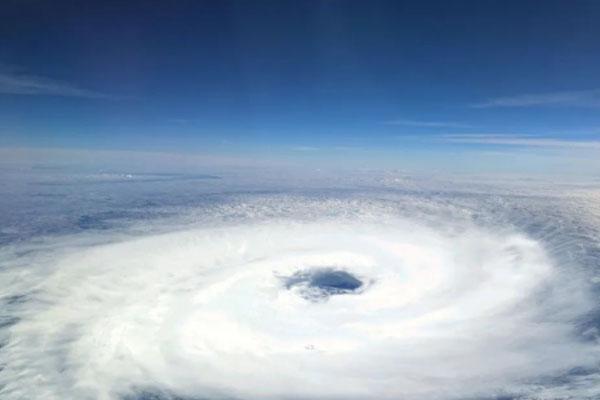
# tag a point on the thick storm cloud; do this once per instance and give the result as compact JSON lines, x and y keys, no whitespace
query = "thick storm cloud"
{"x":402,"y":294}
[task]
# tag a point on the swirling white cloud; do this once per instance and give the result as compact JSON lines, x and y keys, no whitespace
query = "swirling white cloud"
{"x":448,"y":308}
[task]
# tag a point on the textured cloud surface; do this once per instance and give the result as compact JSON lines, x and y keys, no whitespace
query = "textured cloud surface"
{"x":442,"y":296}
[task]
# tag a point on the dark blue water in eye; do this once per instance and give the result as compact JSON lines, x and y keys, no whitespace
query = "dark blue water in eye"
{"x":331,"y":280}
{"x":321,"y":283}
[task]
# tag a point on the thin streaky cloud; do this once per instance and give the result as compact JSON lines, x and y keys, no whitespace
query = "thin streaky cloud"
{"x":304,"y":148}
{"x":520,"y":140}
{"x":576,"y":98}
{"x":486,"y":136}
{"x":38,"y":86}
{"x":426,"y":124}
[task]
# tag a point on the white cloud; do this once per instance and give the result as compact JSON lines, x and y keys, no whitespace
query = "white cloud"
{"x":304,"y":148}
{"x":520,"y":140}
{"x":426,"y":124}
{"x":200,"y":308}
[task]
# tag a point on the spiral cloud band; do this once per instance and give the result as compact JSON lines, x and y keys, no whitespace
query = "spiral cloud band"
{"x":300,"y":299}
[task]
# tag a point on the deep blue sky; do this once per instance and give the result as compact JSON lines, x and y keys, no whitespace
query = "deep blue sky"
{"x":315,"y":78}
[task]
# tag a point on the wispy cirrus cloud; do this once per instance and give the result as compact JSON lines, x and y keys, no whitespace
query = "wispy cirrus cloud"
{"x":30,"y":85}
{"x":304,"y":148}
{"x":520,"y":140}
{"x":426,"y":124}
{"x":575,"y":98}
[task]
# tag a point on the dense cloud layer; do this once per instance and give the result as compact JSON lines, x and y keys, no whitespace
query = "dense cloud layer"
{"x":353,"y":296}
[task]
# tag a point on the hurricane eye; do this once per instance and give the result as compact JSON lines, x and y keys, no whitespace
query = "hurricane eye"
{"x":318,"y":284}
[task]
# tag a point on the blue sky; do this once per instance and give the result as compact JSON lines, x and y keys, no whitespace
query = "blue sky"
{"x":360,"y":83}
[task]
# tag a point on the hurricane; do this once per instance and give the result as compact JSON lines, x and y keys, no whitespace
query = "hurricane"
{"x":393,"y":293}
